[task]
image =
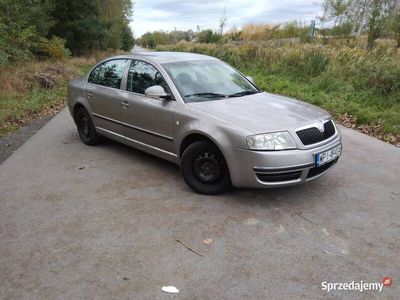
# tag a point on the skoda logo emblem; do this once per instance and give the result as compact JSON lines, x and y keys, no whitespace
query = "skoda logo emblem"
{"x":320,"y":126}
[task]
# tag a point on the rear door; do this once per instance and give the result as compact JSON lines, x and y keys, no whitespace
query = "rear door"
{"x":104,"y":95}
{"x":148,"y":120}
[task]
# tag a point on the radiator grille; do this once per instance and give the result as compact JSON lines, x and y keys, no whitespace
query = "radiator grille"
{"x":312,"y":135}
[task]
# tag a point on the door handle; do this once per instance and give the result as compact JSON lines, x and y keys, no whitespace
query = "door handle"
{"x":89,"y":95}
{"x":125,"y":104}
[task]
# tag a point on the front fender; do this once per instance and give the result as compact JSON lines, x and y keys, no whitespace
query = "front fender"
{"x":222,"y":133}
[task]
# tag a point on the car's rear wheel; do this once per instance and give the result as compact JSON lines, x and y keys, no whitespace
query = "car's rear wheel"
{"x":204,"y":168}
{"x":87,"y":131}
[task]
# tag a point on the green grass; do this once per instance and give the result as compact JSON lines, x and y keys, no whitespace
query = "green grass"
{"x":16,"y":109}
{"x":19,"y":106}
{"x":364,"y":105}
{"x":344,"y":81}
{"x":23,"y":98}
{"x":348,"y":82}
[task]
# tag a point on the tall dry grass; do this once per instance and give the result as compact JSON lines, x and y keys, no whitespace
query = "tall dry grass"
{"x":31,"y":88}
{"x":258,"y":31}
{"x":269,"y":31}
{"x":377,"y":70}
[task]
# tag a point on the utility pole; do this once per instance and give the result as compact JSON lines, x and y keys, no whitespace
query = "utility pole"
{"x":312,"y":28}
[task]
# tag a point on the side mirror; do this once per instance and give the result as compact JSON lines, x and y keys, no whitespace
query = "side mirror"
{"x":249,"y":78}
{"x":156,"y":91}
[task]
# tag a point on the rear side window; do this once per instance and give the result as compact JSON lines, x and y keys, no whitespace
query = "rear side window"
{"x":142,"y":75}
{"x":109,"y":73}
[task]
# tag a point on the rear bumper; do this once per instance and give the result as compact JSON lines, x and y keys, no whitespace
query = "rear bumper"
{"x":265,"y":169}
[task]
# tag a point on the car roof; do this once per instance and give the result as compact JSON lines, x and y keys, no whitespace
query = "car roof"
{"x":168,"y":57}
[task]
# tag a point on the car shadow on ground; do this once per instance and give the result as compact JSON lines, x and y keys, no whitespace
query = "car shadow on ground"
{"x":300,"y":195}
{"x":289,"y":209}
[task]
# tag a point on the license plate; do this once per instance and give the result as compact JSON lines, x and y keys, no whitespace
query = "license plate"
{"x":328,"y":156}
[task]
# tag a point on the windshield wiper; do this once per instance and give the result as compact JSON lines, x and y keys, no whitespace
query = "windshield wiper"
{"x":244,"y":93}
{"x":206,"y":95}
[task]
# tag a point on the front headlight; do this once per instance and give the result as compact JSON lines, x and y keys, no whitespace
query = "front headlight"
{"x":271,"y":141}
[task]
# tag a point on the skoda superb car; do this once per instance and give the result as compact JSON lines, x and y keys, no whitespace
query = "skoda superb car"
{"x":202,"y":114}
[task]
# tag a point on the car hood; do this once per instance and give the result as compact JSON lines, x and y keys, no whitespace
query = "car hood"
{"x":263,"y":112}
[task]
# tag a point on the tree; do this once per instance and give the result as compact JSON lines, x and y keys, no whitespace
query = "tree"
{"x":371,"y":17}
{"x":161,"y":38}
{"x":127,"y":38}
{"x":222,"y":22}
{"x":147,"y":40}
{"x":116,"y":16}
{"x":375,"y":22}
{"x":208,"y":36}
{"x":39,"y":27}
{"x":78,"y":22}
{"x":22,"y":24}
{"x":395,"y":26}
{"x":35,"y":14}
{"x":337,"y":10}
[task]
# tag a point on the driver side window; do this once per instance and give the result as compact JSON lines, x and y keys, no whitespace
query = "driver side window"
{"x":142,"y":75}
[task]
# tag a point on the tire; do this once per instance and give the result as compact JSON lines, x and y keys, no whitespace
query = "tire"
{"x":86,"y":129}
{"x":204,"y":169}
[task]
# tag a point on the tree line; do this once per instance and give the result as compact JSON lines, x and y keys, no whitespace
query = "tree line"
{"x":374,"y":18}
{"x":249,"y":32}
{"x":155,"y":38}
{"x":58,"y":28}
{"x":340,"y":18}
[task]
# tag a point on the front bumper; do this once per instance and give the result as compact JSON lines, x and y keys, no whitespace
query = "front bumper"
{"x":264,"y":169}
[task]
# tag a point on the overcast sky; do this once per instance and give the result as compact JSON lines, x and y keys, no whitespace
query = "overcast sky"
{"x":151,"y":15}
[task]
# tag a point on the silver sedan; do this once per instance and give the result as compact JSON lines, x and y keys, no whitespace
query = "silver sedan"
{"x":202,"y":114}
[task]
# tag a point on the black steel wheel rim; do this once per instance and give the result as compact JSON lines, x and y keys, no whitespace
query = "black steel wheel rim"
{"x":85,"y":126}
{"x":208,"y":167}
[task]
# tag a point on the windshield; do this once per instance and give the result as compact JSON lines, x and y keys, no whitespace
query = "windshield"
{"x":208,"y":80}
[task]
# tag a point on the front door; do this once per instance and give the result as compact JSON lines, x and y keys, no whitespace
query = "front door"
{"x":147,"y":120}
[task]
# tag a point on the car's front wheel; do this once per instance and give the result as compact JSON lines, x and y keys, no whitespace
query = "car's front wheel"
{"x":204,"y":168}
{"x":86,"y":129}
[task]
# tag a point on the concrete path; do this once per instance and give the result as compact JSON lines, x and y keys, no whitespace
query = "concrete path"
{"x":102,"y":222}
{"x":139,"y":49}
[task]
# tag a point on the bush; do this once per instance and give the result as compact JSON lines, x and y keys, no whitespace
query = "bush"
{"x":315,"y":62}
{"x":16,"y":44}
{"x":208,"y":36}
{"x":53,"y":49}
